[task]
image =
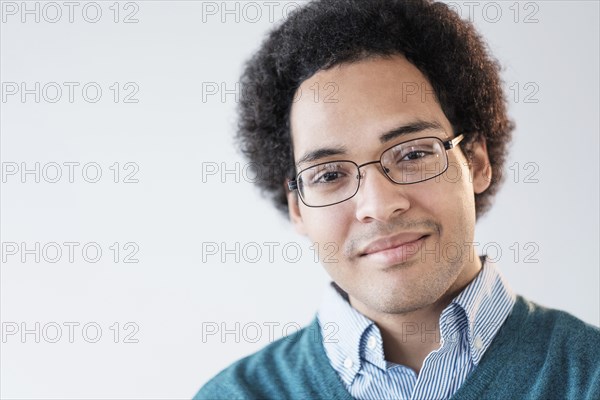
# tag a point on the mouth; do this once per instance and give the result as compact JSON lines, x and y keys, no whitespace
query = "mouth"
{"x":394,"y":250}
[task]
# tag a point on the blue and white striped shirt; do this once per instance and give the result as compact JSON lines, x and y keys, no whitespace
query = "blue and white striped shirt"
{"x":467,"y":327}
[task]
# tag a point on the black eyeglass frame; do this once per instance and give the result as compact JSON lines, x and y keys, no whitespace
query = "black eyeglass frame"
{"x":448,"y":145}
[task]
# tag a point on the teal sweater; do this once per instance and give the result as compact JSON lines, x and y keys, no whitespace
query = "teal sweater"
{"x":539,"y":353}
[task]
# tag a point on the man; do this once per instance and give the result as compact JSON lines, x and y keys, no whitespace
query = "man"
{"x":385,"y":125}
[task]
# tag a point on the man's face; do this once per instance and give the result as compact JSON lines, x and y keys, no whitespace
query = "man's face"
{"x":399,"y":247}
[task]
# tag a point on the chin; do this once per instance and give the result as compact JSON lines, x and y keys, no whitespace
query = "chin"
{"x":395,"y":306}
{"x":389,"y":302}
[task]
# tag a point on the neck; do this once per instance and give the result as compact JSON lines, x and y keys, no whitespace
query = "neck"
{"x":409,"y":337}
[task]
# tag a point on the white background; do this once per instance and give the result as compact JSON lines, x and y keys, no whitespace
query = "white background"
{"x":173,"y":137}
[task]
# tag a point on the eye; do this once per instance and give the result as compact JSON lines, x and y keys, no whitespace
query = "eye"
{"x":327,"y":177}
{"x":414,"y":155}
{"x":327,"y":174}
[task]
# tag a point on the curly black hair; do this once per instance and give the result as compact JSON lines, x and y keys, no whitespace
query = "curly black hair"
{"x":325,"y":33}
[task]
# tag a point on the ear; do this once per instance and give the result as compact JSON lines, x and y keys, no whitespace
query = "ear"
{"x":481,"y":170}
{"x":294,"y":210}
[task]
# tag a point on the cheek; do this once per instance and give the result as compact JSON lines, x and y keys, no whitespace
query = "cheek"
{"x":449,"y":199}
{"x":328,"y":228}
{"x":457,"y":205}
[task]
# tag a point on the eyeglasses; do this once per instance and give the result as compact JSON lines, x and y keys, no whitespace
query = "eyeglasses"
{"x":408,"y":162}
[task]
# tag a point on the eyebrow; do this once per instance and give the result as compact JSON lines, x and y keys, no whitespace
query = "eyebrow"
{"x":413,"y":127}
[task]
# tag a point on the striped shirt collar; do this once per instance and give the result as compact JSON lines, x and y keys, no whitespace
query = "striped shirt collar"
{"x":350,"y":337}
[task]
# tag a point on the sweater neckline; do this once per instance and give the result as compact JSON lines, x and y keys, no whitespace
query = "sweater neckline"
{"x":498,"y":352}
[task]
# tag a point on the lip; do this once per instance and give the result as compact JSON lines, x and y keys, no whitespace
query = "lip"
{"x":394,"y":249}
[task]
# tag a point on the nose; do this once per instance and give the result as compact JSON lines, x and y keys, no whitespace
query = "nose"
{"x":378,"y":198}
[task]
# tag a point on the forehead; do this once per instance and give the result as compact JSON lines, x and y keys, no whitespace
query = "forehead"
{"x":352,"y":105}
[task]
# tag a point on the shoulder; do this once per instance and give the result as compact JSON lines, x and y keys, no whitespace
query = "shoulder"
{"x":557,"y":326}
{"x":272,"y":372}
{"x":544,"y":353}
{"x":561,"y":351}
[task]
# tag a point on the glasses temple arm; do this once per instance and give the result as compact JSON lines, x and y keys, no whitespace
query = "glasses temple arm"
{"x":453,"y":142}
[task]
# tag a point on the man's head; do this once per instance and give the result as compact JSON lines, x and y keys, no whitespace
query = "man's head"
{"x":436,"y":217}
{"x":339,"y":80}
{"x":447,"y":50}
